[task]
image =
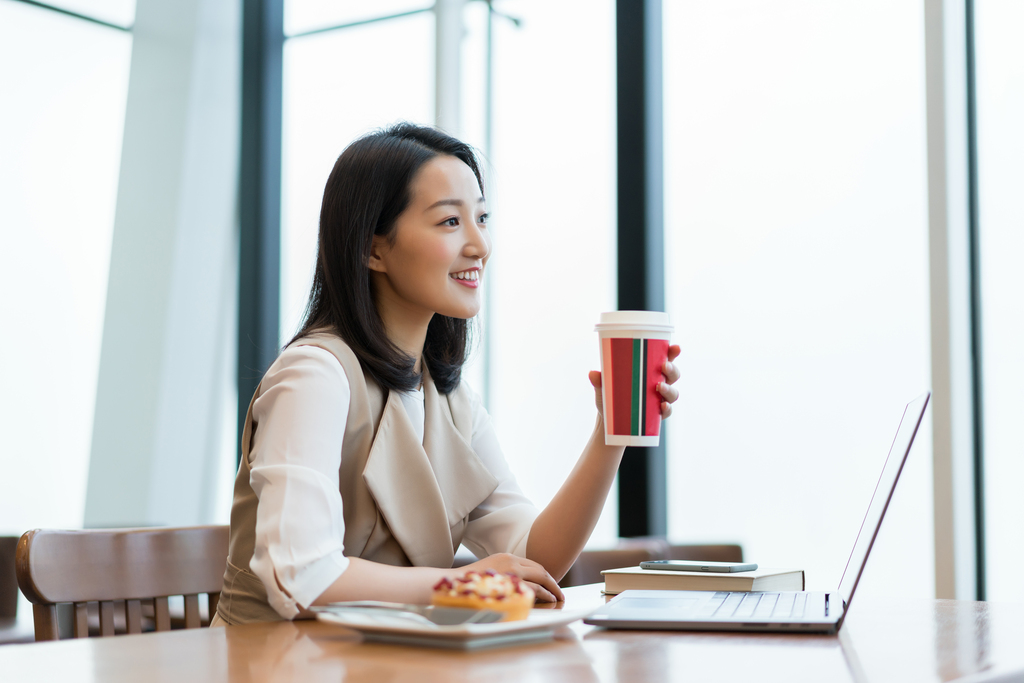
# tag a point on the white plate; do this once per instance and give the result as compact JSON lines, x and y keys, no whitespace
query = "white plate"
{"x":409,"y":630}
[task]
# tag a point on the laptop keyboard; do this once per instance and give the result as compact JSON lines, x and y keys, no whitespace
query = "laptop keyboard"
{"x":755,"y":605}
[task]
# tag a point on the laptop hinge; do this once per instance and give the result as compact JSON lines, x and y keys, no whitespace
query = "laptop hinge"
{"x":826,"y":604}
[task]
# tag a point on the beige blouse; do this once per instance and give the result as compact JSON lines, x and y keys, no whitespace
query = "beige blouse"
{"x":292,"y":509}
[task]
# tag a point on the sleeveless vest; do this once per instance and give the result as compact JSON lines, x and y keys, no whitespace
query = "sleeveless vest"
{"x":405,"y":503}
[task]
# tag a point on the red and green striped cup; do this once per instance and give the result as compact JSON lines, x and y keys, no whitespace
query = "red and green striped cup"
{"x":634,"y":347}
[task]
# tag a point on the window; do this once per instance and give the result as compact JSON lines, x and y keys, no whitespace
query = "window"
{"x":999,"y":68}
{"x":301,"y":16}
{"x":552,"y":193}
{"x":59,"y":158}
{"x":338,"y":86}
{"x":796,"y":261}
{"x":118,"y":12}
{"x":553,"y":205}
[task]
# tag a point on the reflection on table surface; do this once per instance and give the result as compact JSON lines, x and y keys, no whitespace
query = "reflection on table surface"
{"x":906,"y":640}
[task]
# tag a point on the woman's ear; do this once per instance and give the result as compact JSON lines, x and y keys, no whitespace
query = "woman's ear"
{"x":378,"y":248}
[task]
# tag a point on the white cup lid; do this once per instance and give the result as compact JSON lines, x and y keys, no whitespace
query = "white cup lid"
{"x":618,"y":320}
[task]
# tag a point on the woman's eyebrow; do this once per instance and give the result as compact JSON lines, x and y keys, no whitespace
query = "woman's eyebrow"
{"x":451,"y":202}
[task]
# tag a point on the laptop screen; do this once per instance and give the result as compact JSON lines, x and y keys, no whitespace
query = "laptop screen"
{"x":883,"y":494}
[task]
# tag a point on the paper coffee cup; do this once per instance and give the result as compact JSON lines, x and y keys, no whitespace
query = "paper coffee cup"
{"x":634,"y":347}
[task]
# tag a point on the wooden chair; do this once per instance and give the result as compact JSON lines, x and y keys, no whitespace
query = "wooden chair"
{"x":8,"y":580}
{"x":108,"y":565}
{"x":11,"y":630}
{"x":726,"y":552}
{"x":628,"y":552}
{"x":632,"y":551}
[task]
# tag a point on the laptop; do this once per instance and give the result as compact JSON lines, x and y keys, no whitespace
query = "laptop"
{"x":787,"y":612}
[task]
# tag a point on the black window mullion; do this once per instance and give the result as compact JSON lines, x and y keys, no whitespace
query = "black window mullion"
{"x":643,"y":508}
{"x":259,"y":267}
{"x":974,"y":247}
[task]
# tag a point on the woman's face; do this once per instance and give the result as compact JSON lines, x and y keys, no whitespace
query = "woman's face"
{"x":435,"y":263}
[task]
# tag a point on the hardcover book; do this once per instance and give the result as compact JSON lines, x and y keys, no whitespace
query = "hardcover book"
{"x":761,"y":579}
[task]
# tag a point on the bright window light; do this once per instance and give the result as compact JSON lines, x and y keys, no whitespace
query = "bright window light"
{"x":117,"y":12}
{"x":338,"y":86}
{"x":553,"y":205}
{"x":796,"y":224}
{"x":1000,"y":107}
{"x":309,"y":15}
{"x":60,"y":151}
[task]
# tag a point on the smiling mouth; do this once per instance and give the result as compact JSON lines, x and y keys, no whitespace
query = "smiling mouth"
{"x":467,"y":278}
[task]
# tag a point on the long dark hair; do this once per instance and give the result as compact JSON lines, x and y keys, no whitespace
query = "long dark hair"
{"x":365,"y":193}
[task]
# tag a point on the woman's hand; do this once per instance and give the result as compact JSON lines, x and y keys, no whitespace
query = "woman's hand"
{"x":545,"y":587}
{"x":664,"y":388}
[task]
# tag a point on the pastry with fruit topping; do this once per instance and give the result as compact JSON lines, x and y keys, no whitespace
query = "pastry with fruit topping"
{"x":488,"y":590}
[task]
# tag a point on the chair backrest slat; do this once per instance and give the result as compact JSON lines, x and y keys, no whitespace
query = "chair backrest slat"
{"x":162,"y":614}
{"x":133,"y":615}
{"x":106,"y":618}
{"x":192,"y":611}
{"x":81,"y":622}
{"x":110,"y":565}
{"x":214,"y":601}
{"x":45,"y":617}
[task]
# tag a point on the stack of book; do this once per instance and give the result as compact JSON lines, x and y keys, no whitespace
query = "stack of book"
{"x":635,"y":578}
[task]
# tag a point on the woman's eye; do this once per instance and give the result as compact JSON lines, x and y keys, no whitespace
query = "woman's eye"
{"x":483,"y":218}
{"x":452,"y":222}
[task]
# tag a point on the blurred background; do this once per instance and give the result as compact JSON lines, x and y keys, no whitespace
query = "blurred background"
{"x":833,"y":190}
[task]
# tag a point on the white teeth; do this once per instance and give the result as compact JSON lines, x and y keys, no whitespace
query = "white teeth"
{"x":467,"y":275}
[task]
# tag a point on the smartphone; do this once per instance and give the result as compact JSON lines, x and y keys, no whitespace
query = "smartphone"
{"x":688,"y":566}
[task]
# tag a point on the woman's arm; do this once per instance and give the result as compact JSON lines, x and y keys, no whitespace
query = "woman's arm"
{"x":366,"y":580}
{"x":562,"y":529}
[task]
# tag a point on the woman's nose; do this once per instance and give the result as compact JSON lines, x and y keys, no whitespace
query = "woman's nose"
{"x":478,"y":242}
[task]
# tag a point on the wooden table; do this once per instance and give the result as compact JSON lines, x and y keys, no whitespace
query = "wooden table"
{"x":911,"y":640}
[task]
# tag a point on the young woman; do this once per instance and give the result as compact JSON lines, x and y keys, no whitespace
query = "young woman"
{"x":365,"y":461}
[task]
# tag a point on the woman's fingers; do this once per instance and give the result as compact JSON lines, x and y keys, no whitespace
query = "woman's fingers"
{"x":550,"y":592}
{"x":668,"y":392}
{"x":673,"y":352}
{"x":670,"y":371}
{"x":542,"y":594}
{"x":534,"y":573}
{"x":595,"y":379}
{"x":531,"y":572}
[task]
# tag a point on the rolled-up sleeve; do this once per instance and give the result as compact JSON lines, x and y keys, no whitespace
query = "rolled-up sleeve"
{"x":300,"y":420}
{"x":501,"y":524}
